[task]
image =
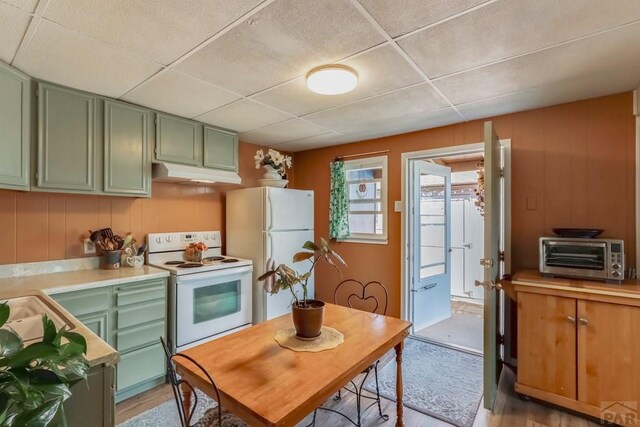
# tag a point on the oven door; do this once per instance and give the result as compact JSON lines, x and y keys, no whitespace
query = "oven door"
{"x":210,"y":303}
{"x":578,"y":259}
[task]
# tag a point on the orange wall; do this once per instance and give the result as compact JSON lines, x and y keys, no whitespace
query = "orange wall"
{"x":573,"y":162}
{"x":46,"y":226}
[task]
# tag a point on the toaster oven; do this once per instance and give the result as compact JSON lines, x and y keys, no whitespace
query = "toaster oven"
{"x":597,"y":259}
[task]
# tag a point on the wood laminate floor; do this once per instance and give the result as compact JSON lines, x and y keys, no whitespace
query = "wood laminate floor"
{"x":509,"y":411}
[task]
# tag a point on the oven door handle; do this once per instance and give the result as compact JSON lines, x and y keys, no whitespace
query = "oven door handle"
{"x":215,"y":274}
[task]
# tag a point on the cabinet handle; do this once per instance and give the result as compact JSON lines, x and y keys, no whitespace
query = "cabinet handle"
{"x":583,"y":321}
{"x":571,"y":319}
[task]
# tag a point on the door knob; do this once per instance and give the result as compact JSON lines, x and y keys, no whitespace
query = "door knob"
{"x":490,"y":285}
{"x":583,"y":321}
{"x":571,"y":319}
{"x":468,"y":245}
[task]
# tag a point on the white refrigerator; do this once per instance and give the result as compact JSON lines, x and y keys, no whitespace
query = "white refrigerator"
{"x":267,"y":223}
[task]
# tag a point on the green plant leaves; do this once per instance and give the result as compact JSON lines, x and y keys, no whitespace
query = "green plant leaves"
{"x":40,"y":416}
{"x":10,"y":343}
{"x":4,"y":313}
{"x":310,"y":246}
{"x":49,"y":330}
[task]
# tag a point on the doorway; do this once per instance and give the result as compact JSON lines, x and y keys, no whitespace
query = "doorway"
{"x":447,"y":237}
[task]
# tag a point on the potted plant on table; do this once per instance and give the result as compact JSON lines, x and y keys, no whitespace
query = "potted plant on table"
{"x":308,"y":314}
{"x":34,"y":380}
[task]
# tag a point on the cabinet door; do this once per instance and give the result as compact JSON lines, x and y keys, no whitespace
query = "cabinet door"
{"x":127,"y":165}
{"x":66,"y":140}
{"x":14,"y":128}
{"x":178,"y":140}
{"x":92,"y":402}
{"x":220,"y":149}
{"x":608,"y":356}
{"x":547,"y":343}
{"x":97,"y":323}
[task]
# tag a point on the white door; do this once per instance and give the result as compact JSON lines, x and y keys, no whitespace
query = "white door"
{"x":431,"y":244}
{"x":491,"y":263}
{"x":281,"y":246}
{"x":289,"y":209}
{"x":473,"y":249}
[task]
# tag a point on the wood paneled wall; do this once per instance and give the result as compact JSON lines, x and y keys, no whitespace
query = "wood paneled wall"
{"x":573,"y":165}
{"x":47,"y":226}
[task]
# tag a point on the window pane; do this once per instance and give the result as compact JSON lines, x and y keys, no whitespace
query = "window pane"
{"x":364,"y":174}
{"x":369,"y":206}
{"x":212,"y":302}
{"x":431,"y":271}
{"x":432,"y":226}
{"x":362,"y":190}
{"x":365,"y":223}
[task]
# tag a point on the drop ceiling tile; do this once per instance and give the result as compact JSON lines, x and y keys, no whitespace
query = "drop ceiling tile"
{"x":282,"y":41}
{"x":379,"y":70}
{"x":412,"y":100}
{"x":243,"y":116}
{"x":66,"y":57}
{"x":282,"y":132}
{"x":26,"y":5}
{"x":508,"y":28}
{"x":413,"y":14}
{"x":179,"y":94}
{"x":162,"y":30}
{"x":322,"y":140}
{"x":13,"y":25}
{"x":404,"y":124}
{"x":553,"y":94}
{"x":600,"y":54}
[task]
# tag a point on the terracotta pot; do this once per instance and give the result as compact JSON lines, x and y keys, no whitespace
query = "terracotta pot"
{"x":308,"y":321}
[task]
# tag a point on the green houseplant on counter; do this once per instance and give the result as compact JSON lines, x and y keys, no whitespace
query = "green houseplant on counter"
{"x":34,"y":380}
{"x":308,"y":314}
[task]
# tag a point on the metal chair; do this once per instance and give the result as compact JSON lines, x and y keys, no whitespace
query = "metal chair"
{"x":210,"y":418}
{"x":379,"y":308}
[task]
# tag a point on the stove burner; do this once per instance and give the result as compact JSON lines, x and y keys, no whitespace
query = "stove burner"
{"x":174,"y":262}
{"x":226,"y":260}
{"x":213,"y":258}
{"x":189,"y":265}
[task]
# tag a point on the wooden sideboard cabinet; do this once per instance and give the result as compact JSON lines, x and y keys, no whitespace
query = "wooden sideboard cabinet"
{"x":579,"y":345}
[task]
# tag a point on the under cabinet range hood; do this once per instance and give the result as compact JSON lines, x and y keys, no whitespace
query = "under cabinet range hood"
{"x":171,"y":172}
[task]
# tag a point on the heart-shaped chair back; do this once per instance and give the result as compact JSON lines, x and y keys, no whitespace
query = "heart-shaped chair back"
{"x":371,"y":297}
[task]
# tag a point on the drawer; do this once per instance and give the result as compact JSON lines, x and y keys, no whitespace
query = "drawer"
{"x":141,"y":313}
{"x":140,"y":336}
{"x":142,"y":292}
{"x":141,"y":365}
{"x":90,"y":301}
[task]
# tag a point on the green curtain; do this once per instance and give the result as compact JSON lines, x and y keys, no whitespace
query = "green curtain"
{"x":338,"y":203}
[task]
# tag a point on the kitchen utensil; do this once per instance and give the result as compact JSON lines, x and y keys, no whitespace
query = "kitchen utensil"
{"x":141,"y":250}
{"x":118,"y":241}
{"x":95,"y":235}
{"x":107,"y":232}
{"x":587,"y":233}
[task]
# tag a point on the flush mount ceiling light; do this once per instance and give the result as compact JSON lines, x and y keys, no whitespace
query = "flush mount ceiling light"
{"x":332,"y":80}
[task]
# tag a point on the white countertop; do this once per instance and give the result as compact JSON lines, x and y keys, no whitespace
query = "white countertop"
{"x":55,"y":283}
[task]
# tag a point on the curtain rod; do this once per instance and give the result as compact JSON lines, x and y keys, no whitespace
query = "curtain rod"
{"x":371,"y":153}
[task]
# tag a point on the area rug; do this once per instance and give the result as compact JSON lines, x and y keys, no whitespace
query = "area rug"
{"x":166,"y":414}
{"x":438,"y":381}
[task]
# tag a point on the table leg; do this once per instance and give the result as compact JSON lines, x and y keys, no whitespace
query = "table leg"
{"x":399,"y":407}
{"x":187,"y":393}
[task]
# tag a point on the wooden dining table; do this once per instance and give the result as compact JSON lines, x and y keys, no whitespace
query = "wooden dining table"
{"x":269,"y":385}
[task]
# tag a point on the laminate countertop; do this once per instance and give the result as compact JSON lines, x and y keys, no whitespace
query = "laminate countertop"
{"x":98,"y":351}
{"x":628,"y":288}
{"x":56,"y":283}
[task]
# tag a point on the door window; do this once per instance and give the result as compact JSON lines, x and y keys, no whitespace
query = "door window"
{"x":215,"y":301}
{"x":433,"y":237}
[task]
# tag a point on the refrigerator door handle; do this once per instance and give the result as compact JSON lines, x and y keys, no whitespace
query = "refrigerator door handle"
{"x":270,"y":241}
{"x":270,"y":224}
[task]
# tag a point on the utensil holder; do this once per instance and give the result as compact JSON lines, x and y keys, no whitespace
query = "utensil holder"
{"x":110,"y":260}
{"x":135,"y":261}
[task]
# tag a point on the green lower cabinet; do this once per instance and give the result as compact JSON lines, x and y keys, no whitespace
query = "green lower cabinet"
{"x":131,"y":318}
{"x":92,"y":402}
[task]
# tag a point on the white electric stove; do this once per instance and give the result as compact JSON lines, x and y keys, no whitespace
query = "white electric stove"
{"x":207,"y":299}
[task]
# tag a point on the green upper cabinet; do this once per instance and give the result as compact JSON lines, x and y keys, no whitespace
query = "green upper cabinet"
{"x":178,"y":140}
{"x":127,"y":164}
{"x":220,"y":149}
{"x":14,"y":128}
{"x":66,"y":140}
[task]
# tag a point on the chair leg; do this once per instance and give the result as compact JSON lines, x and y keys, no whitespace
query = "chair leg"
{"x":383,"y":416}
{"x":338,"y":396}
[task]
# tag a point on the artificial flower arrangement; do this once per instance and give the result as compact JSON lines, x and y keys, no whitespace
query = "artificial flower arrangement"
{"x":273,"y":158}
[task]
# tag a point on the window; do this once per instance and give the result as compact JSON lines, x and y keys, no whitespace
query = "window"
{"x":367,"y":187}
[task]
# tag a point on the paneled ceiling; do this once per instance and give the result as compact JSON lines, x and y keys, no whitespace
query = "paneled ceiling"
{"x":241,"y":64}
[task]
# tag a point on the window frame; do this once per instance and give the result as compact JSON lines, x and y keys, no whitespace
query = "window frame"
{"x":380,"y":239}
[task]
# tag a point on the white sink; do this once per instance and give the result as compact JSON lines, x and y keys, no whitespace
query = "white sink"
{"x":26,"y":317}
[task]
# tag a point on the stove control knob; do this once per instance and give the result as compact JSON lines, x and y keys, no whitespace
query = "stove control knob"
{"x":616,"y":266}
{"x":206,"y":237}
{"x":159,"y":239}
{"x":615,"y":274}
{"x":169,"y":239}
